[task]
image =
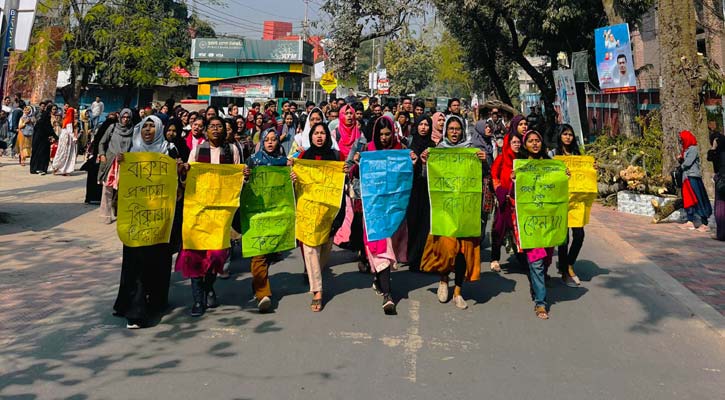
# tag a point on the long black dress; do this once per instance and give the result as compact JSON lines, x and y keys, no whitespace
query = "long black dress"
{"x":40,"y":159}
{"x":418,"y":214}
{"x":94,"y":190}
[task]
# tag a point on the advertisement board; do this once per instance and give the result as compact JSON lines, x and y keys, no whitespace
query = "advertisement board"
{"x":614,"y":59}
{"x":566,"y":103}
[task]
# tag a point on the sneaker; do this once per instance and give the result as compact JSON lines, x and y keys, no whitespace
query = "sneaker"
{"x":388,"y":305}
{"x":211,"y":300}
{"x":442,"y":292}
{"x":495,"y":266}
{"x":573,"y":276}
{"x":197,"y":310}
{"x":133,"y":324}
{"x":264,"y":305}
{"x":688,"y":225}
{"x":703,"y":228}
{"x":568,"y":281}
{"x":376,"y":290}
{"x":459,"y":302}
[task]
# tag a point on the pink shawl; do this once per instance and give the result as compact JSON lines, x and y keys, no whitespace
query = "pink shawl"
{"x":348,"y":134}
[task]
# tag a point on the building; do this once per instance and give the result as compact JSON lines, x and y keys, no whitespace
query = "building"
{"x":234,"y":70}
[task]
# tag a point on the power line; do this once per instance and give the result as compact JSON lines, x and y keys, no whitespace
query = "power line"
{"x":214,"y":14}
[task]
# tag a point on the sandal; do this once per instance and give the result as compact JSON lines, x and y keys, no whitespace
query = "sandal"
{"x":316,"y":305}
{"x":495,"y":266}
{"x":541,"y":312}
{"x":573,"y":276}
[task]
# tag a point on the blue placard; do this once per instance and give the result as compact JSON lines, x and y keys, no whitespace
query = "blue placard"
{"x":386,"y":179}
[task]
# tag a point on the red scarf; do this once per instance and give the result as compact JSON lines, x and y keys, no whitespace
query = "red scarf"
{"x":348,"y":134}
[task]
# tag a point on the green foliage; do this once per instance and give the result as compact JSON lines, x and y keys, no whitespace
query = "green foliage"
{"x":452,"y":77}
{"x":409,"y":63}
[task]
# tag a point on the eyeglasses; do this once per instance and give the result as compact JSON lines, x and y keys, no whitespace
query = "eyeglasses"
{"x":216,"y":127}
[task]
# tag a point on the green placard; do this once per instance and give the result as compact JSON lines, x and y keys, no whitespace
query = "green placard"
{"x":455,"y":186}
{"x":542,"y":198}
{"x":267,"y":212}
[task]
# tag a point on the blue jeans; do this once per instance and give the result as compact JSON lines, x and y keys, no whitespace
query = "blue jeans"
{"x":536,"y":273}
{"x":94,"y":121}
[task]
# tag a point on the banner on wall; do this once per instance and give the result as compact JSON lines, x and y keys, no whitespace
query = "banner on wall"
{"x":613,"y":55}
{"x":566,"y":104}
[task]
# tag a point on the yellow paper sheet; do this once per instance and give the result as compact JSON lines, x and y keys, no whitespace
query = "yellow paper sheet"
{"x":582,"y":188}
{"x":319,"y":193}
{"x":210,"y":200}
{"x":146,"y":199}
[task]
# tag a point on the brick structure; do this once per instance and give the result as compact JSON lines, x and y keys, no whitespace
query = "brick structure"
{"x":38,"y":82}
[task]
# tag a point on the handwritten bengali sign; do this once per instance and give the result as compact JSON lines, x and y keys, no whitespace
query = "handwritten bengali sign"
{"x":542,"y":193}
{"x":386,"y":179}
{"x":582,"y":188}
{"x":267,"y":212}
{"x":146,"y":199}
{"x":210,"y":200}
{"x":319,"y":193}
{"x":455,"y":187}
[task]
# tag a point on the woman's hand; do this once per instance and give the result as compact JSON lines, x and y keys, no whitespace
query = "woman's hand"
{"x":293,"y":176}
{"x":290,"y":162}
{"x":345,"y":168}
{"x":481,"y":155}
{"x":247,"y":171}
{"x":513,"y":175}
{"x":424,"y":156}
{"x":356,"y":157}
{"x":568,"y":173}
{"x":120,"y":157}
{"x":413,"y":156}
{"x":101,"y":158}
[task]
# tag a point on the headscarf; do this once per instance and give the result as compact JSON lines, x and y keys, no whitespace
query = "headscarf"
{"x":436,"y":134}
{"x":69,"y":117}
{"x":513,"y":127}
{"x":178,"y":142}
{"x":274,"y":158}
{"x":124,"y":130}
{"x":158,"y":145}
{"x":348,"y":134}
{"x":480,"y":140}
{"x":303,"y":138}
{"x":320,"y":153}
{"x":465,"y":140}
{"x":419,"y":142}
{"x":375,"y":144}
{"x":687,"y":139}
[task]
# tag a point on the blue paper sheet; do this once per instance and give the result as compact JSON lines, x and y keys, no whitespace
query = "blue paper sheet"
{"x":386,"y":179}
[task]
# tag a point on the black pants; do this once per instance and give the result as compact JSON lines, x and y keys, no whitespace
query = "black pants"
{"x":382,"y":281}
{"x":568,"y":255}
{"x":144,"y":285}
{"x":460,"y":270}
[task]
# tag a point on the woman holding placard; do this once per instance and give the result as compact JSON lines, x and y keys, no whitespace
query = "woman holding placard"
{"x":567,"y":146}
{"x":315,"y":257}
{"x":449,"y":254}
{"x":538,"y":259}
{"x":379,"y":253}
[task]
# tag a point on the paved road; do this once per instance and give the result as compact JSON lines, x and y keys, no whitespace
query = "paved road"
{"x":629,"y":334}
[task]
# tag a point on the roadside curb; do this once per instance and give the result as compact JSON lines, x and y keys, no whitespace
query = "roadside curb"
{"x":669,"y":285}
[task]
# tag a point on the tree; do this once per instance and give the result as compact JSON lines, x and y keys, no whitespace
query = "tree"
{"x":451,"y":75}
{"x":681,"y":105}
{"x":409,"y":63}
{"x":355,"y":21}
{"x":120,"y":43}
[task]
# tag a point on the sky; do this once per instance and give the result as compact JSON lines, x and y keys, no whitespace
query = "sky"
{"x":246,"y":17}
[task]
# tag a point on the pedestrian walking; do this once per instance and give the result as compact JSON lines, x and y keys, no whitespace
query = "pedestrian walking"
{"x":716,"y":155}
{"x":26,"y":128}
{"x":64,"y":162}
{"x":696,"y":202}
{"x":418,"y":214}
{"x":115,"y":141}
{"x":97,"y":108}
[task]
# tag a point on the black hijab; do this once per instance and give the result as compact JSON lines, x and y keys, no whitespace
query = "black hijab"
{"x":320,"y":153}
{"x":178,"y":142}
{"x":421,"y":142}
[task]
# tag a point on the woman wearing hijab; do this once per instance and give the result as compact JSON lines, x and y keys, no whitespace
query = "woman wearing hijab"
{"x":567,"y":146}
{"x":145,"y":270}
{"x":116,"y":140}
{"x":287,"y":131}
{"x":501,"y":170}
{"x":315,"y":257}
{"x":380,"y":254}
{"x":202,"y":266}
{"x":65,"y":158}
{"x":172,"y":133}
{"x":26,"y":128}
{"x":439,"y":120}
{"x":302,"y":139}
{"x":441,"y":254}
{"x":270,"y":154}
{"x":94,"y":190}
{"x":348,"y":130}
{"x":42,"y":136}
{"x":538,"y":259}
{"x":418,"y":214}
{"x":694,"y":195}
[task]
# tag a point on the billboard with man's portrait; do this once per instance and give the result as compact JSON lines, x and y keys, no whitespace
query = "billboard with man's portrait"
{"x":614,"y":59}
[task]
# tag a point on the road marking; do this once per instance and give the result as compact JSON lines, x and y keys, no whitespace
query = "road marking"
{"x":413,"y":342}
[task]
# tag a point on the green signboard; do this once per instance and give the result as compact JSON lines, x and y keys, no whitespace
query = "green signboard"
{"x":246,"y":50}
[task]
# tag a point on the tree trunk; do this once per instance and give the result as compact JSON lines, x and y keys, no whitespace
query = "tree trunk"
{"x":627,"y":115}
{"x":681,"y":83}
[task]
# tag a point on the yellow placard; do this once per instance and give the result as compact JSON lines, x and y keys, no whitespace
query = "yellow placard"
{"x":211,"y":198}
{"x":146,"y":199}
{"x":319,"y":193}
{"x":582,"y":188}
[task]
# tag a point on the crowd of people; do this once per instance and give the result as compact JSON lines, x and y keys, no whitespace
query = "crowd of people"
{"x":338,"y":130}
